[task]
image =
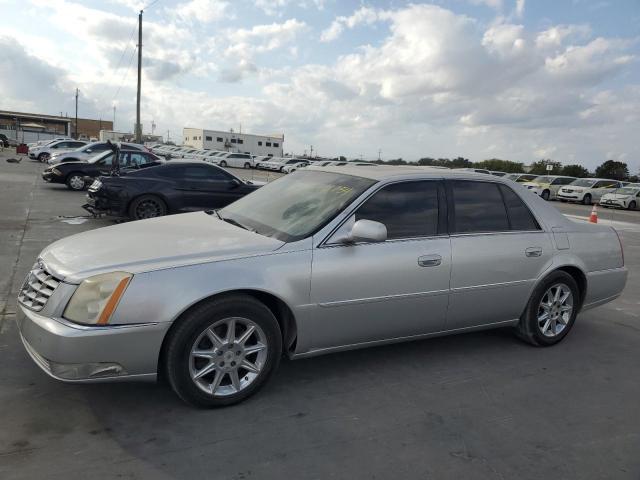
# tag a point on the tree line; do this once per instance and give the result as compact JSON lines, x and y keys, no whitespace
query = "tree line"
{"x":610,"y":169}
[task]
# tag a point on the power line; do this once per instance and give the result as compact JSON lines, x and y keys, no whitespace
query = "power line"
{"x":124,"y":50}
{"x":150,"y":5}
{"x":124,"y":77}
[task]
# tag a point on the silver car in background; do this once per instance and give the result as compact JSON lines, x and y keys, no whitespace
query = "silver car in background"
{"x":318,"y":261}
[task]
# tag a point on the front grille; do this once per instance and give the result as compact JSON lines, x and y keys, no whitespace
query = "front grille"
{"x":37,"y":288}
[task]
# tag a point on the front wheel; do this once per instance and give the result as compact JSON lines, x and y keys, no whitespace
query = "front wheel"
{"x":147,"y":206}
{"x":545,"y":195}
{"x":587,"y":199}
{"x":247,"y":165}
{"x":43,"y":157}
{"x":632,"y":205}
{"x":75,"y":181}
{"x":551,"y":311}
{"x":223,"y":163}
{"x":223,"y":351}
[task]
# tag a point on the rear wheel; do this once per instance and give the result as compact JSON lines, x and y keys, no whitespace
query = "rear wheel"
{"x":75,"y":181}
{"x":223,"y":351}
{"x":545,"y":195}
{"x":43,"y":157}
{"x":247,"y":165}
{"x":223,"y":163}
{"x":551,"y":311}
{"x":632,"y":205}
{"x":587,"y":199}
{"x":147,"y":206}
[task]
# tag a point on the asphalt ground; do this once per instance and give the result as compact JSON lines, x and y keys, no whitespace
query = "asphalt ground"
{"x":473,"y":406}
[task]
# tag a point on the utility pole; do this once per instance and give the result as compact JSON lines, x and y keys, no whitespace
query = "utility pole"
{"x":311,"y":154}
{"x":138,"y":126}
{"x":379,"y":152}
{"x":168,"y":135}
{"x":114,"y":117}
{"x":76,"y":135}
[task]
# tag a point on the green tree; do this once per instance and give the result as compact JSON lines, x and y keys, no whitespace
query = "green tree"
{"x":577,"y":171}
{"x":540,"y":167}
{"x":500,"y":165}
{"x":613,"y":169}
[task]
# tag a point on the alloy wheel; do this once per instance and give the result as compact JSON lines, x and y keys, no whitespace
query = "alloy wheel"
{"x":228,"y":356}
{"x":76,"y":182}
{"x":555,"y":310}
{"x":148,"y":209}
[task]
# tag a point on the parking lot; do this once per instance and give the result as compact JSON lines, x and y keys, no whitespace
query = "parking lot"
{"x":478,"y":405}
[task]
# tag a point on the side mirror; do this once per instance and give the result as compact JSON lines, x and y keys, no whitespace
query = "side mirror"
{"x":235,"y":183}
{"x":365,"y":231}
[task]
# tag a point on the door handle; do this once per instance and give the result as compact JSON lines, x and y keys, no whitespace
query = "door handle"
{"x":533,"y":252}
{"x":429,"y":260}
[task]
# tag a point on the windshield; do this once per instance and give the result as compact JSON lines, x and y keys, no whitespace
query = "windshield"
{"x":543,"y":180}
{"x":294,"y":207}
{"x":583,"y":182}
{"x":99,"y":156}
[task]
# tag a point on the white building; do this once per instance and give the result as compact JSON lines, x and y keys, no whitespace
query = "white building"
{"x":233,"y":142}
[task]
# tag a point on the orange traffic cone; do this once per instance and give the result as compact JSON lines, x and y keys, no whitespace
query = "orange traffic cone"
{"x":593,"y":218}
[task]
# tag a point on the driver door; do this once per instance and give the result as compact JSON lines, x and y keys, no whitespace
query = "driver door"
{"x":367,"y":292}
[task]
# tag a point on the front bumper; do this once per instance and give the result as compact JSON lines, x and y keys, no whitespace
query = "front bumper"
{"x":51,"y":177}
{"x":77,"y":353}
{"x":572,"y":197}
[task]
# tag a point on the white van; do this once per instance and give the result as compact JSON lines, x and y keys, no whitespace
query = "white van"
{"x":236,"y":160}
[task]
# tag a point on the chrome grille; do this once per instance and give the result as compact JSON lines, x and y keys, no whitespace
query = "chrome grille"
{"x":37,"y":288}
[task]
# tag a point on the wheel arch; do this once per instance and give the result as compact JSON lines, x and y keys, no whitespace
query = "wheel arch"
{"x":278,"y":307}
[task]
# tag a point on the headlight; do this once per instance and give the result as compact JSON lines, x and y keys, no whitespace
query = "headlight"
{"x":97,"y":297}
{"x":56,"y":171}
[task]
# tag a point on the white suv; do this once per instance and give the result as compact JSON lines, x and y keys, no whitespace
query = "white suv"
{"x":43,"y":152}
{"x":587,"y":190}
{"x":237,"y":160}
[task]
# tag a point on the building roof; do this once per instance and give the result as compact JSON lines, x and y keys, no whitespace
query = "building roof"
{"x":38,"y":116}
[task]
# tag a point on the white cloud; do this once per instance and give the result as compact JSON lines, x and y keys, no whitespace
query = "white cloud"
{"x":495,"y":4}
{"x":204,"y":11}
{"x":276,"y":7}
{"x":520,"y":8}
{"x":363,"y":16}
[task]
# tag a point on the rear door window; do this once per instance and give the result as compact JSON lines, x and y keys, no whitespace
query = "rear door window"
{"x":520,"y":217}
{"x":477,"y":207}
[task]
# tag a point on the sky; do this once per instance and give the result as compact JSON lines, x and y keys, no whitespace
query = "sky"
{"x":519,"y":80}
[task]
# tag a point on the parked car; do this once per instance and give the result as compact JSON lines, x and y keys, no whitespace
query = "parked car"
{"x":237,"y":160}
{"x":521,"y":177}
{"x":76,"y":174}
{"x":89,"y":151}
{"x":4,"y":140}
{"x":547,"y":186}
{"x":319,"y":261}
{"x":43,"y":152}
{"x":626,"y":197}
{"x":176,"y":187}
{"x":40,"y":143}
{"x":587,"y":190}
{"x":292,"y":167}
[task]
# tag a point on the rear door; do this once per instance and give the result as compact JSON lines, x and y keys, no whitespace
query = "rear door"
{"x":207,"y":186}
{"x":498,"y":252}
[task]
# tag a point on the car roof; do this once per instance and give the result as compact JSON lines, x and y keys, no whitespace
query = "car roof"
{"x":385,"y":172}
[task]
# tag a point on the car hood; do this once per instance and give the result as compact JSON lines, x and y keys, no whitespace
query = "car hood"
{"x":146,"y":245}
{"x":615,"y":196}
{"x":535,"y":184}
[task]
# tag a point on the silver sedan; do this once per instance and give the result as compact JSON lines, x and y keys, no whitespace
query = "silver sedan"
{"x":322,"y":260}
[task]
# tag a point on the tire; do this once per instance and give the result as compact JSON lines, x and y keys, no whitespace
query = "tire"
{"x":632,"y":205}
{"x":75,"y":181}
{"x":219,"y":359}
{"x":247,"y":166}
{"x":147,"y":206}
{"x":531,"y":327}
{"x":587,"y":199}
{"x":43,"y":157}
{"x":545,"y":195}
{"x":223,"y":163}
